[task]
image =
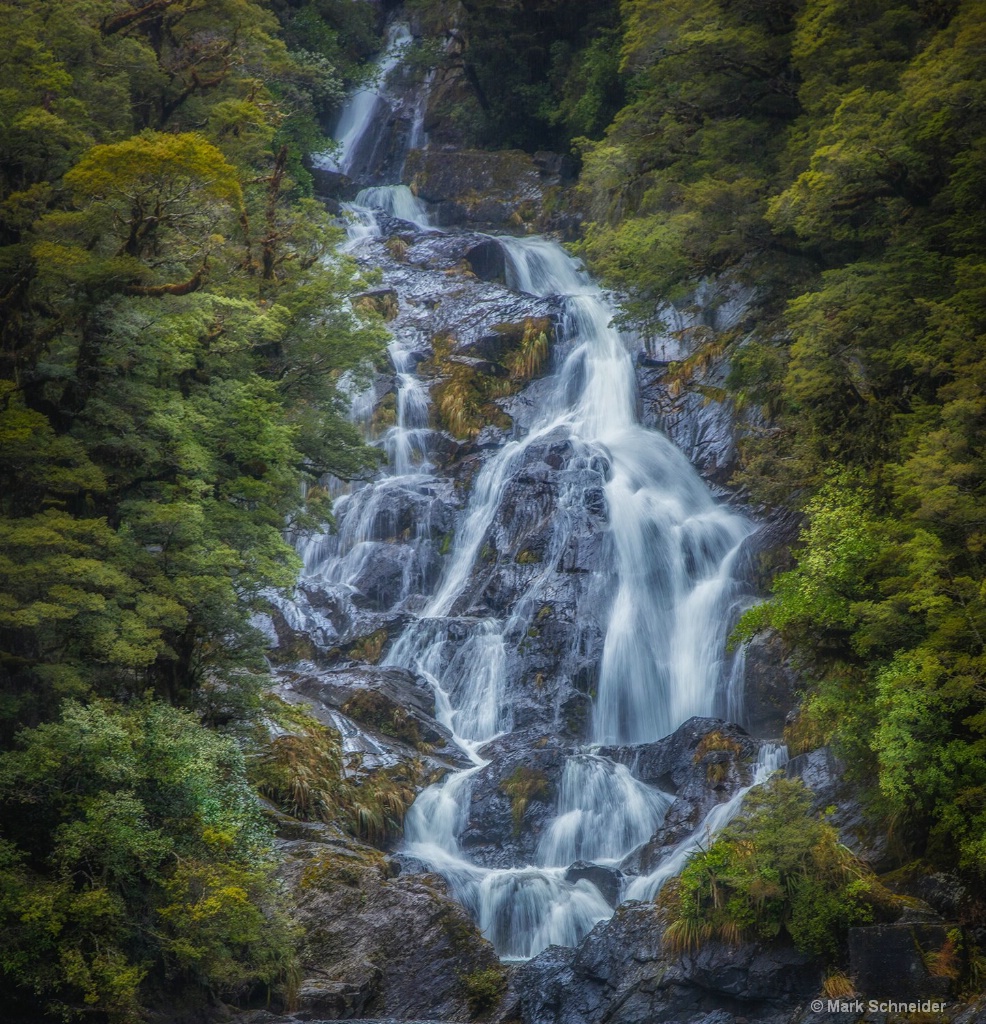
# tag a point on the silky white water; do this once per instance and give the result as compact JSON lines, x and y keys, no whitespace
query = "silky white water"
{"x":364,"y":105}
{"x":672,"y":551}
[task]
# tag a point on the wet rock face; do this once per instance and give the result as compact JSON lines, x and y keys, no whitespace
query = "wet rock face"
{"x":487,"y":261}
{"x":702,"y":764}
{"x":770,"y":687}
{"x":512,"y":803}
{"x":607,"y":880}
{"x":377,"y":946}
{"x":823,"y":773}
{"x":621,"y":974}
{"x":491,"y":190}
{"x":705,"y":430}
{"x":393,"y":708}
{"x":886,"y":961}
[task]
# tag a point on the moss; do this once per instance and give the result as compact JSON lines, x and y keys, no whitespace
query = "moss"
{"x":329,"y":870}
{"x":461,"y":933}
{"x":383,"y":303}
{"x":372,"y":708}
{"x":397,"y":247}
{"x":369,"y":648}
{"x":523,"y":785}
{"x":806,"y":732}
{"x":527,"y":346}
{"x":385,"y":414}
{"x":464,"y":396}
{"x":717,"y":769}
{"x":528,"y":557}
{"x":464,"y":400}
{"x":576,"y":719}
{"x":484,"y":989}
{"x":716,"y":740}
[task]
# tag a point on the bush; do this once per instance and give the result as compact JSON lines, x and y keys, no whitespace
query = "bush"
{"x":777,"y":870}
{"x":135,"y":849}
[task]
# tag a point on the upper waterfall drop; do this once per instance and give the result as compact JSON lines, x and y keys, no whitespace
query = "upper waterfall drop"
{"x":356,"y":122}
{"x":674,"y":549}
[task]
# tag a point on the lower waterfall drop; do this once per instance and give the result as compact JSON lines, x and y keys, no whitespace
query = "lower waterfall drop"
{"x":673,"y":550}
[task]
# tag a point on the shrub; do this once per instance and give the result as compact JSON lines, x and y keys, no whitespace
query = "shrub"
{"x":778,"y":869}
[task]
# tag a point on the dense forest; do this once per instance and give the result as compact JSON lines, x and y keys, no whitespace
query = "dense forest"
{"x":175,"y":327}
{"x":830,"y":155}
{"x":178,"y":333}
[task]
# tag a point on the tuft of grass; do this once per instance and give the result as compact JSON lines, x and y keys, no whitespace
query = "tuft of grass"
{"x":397,"y":247}
{"x":528,"y":358}
{"x":838,"y":985}
{"x":716,"y":740}
{"x":369,"y":648}
{"x":523,"y":785}
{"x":947,"y":961}
{"x":484,"y":989}
{"x":301,"y":771}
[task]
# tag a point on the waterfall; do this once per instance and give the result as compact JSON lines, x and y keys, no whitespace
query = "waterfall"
{"x":362,"y":112}
{"x":665,"y":602}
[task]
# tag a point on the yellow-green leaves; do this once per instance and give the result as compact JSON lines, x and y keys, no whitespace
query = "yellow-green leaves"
{"x":155,"y":168}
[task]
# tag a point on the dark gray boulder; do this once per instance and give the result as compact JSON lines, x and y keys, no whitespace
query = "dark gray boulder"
{"x":379,"y":946}
{"x":622,"y":975}
{"x":487,"y":261}
{"x":512,"y":803}
{"x":770,"y":685}
{"x":887,"y":960}
{"x":609,"y":881}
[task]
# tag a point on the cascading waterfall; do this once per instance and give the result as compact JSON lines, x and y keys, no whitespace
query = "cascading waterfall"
{"x":603,"y":813}
{"x":671,"y":593}
{"x":676,"y":597}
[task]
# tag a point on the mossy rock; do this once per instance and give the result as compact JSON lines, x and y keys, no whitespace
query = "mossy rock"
{"x":369,"y":648}
{"x":523,"y":785}
{"x":383,"y":302}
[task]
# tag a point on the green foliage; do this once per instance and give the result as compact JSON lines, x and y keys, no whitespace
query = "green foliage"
{"x":134,"y":848}
{"x":676,"y":189}
{"x":484,"y":989}
{"x":534,"y":77}
{"x":777,"y":869}
{"x":300,"y":768}
{"x":175,"y":326}
{"x":830,"y":153}
{"x":523,"y":785}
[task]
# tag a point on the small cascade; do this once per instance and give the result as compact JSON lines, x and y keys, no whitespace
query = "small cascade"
{"x":394,"y":201}
{"x":603,"y":814}
{"x":675,"y":599}
{"x":465,"y":662}
{"x":406,"y":442}
{"x":365,"y":109}
{"x":771,"y":758}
